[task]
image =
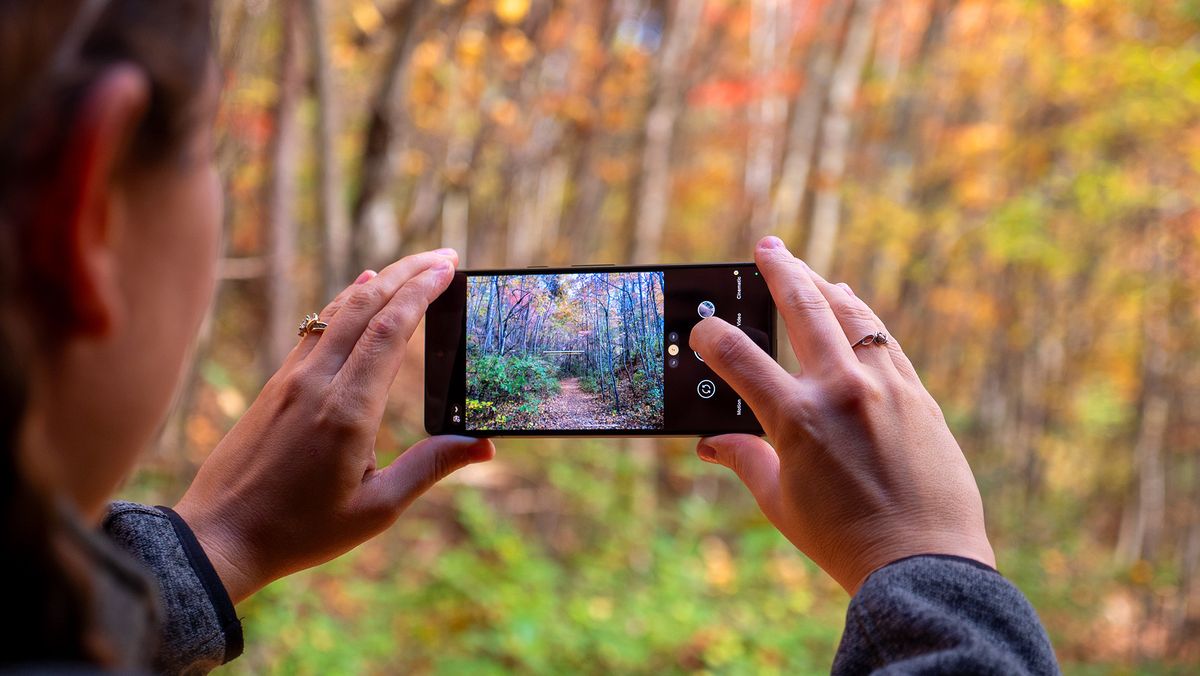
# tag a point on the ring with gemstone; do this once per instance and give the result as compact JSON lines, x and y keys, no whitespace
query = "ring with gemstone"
{"x":312,"y":324}
{"x":873,"y":339}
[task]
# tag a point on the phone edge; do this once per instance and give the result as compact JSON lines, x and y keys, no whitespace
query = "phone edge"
{"x":772,"y":341}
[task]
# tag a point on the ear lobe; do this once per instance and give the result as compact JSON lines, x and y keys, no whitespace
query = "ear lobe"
{"x":91,"y":218}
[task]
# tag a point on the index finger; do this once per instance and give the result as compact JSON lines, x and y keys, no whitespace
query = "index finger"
{"x":816,"y":336}
{"x":376,"y":358}
{"x":752,"y":373}
{"x":365,"y":301}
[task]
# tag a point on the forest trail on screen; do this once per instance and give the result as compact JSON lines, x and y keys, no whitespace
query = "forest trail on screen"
{"x":574,"y":351}
{"x":574,"y":409}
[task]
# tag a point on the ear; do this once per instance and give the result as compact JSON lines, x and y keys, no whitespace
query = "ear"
{"x":88,"y":214}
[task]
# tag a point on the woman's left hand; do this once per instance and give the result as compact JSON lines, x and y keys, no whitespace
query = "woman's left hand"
{"x":295,"y":482}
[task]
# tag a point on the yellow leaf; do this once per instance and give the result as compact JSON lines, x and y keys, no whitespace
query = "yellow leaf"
{"x":471,"y":45}
{"x":428,"y":54}
{"x":515,"y":46}
{"x":366,"y":16}
{"x":511,"y":11}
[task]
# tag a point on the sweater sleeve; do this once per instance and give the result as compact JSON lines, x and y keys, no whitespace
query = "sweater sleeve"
{"x":199,"y":629}
{"x":942,"y":615}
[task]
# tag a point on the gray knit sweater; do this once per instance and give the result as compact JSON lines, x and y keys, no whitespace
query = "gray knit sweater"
{"x":197,"y":629}
{"x":942,"y":615}
{"x":922,"y":615}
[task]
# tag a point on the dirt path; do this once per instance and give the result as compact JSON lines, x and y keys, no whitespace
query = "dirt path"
{"x":574,"y":409}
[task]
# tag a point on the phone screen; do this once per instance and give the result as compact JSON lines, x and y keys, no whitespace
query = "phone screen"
{"x":596,"y":351}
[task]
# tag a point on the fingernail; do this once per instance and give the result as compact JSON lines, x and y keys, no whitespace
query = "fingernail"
{"x":366,"y":276}
{"x":442,"y":266}
{"x":771,"y":242}
{"x":707,"y":453}
{"x":445,"y":252}
{"x":847,"y":289}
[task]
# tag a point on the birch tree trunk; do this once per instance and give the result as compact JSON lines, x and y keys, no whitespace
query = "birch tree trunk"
{"x":279,"y":333}
{"x":335,"y":235}
{"x":1142,"y":527}
{"x":1188,"y":610}
{"x":847,"y":76}
{"x":904,"y":147}
{"x":540,"y":179}
{"x":788,"y":201}
{"x":768,"y":18}
{"x":654,"y":188}
{"x":456,"y":203}
{"x":375,"y":166}
{"x":916,"y":109}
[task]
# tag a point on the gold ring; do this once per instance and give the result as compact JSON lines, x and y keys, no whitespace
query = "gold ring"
{"x":873,"y":339}
{"x":312,"y":324}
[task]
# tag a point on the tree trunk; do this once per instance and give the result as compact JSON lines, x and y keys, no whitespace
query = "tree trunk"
{"x":768,"y":18}
{"x":494,"y":299}
{"x":335,"y":235}
{"x":1142,"y":528}
{"x":806,"y":122}
{"x":847,"y":77}
{"x":608,"y":344}
{"x":374,"y":168}
{"x":522,"y":219}
{"x":456,"y":203}
{"x":588,"y":189}
{"x":279,"y":334}
{"x":654,"y":188}
{"x":905,"y":144}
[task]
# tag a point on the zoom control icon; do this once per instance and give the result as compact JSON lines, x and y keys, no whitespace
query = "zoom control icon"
{"x":706,"y":389}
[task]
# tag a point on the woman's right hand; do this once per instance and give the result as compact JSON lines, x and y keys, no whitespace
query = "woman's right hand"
{"x":864,"y":470}
{"x":295,"y":483}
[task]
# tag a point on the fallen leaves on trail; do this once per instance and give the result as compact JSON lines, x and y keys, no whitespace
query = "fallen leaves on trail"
{"x":571,"y":408}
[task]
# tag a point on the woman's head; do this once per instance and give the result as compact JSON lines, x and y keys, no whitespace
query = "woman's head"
{"x":109,"y":213}
{"x":109,"y":219}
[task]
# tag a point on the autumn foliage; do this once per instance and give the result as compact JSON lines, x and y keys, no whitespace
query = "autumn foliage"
{"x":1014,"y":186}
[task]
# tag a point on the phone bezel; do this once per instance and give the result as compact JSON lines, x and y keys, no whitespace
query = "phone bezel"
{"x":437,"y":421}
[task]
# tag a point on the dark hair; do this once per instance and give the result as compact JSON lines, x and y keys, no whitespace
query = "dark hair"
{"x":51,"y":54}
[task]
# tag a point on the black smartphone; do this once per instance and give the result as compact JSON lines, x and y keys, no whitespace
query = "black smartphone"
{"x":588,"y":350}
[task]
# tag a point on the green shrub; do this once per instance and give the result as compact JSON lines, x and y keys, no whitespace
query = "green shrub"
{"x":510,"y":378}
{"x":689,"y":585}
{"x":589,"y":384}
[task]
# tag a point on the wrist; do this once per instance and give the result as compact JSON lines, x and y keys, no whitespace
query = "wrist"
{"x":973,"y":547}
{"x":225,"y":551}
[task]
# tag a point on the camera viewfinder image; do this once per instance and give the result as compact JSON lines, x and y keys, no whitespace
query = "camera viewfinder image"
{"x":565,"y":352}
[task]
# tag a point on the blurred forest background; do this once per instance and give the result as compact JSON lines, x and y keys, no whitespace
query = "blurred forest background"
{"x":1012,"y":184}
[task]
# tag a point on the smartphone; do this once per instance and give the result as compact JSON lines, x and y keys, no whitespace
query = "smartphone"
{"x":588,"y":351}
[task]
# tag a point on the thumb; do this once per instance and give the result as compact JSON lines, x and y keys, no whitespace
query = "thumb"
{"x":753,"y":460}
{"x":423,"y":465}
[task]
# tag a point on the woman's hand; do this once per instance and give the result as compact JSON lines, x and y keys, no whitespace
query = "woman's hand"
{"x":864,"y":470}
{"x":294,"y":484}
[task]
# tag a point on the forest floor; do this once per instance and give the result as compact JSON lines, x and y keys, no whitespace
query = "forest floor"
{"x":574,"y":409}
